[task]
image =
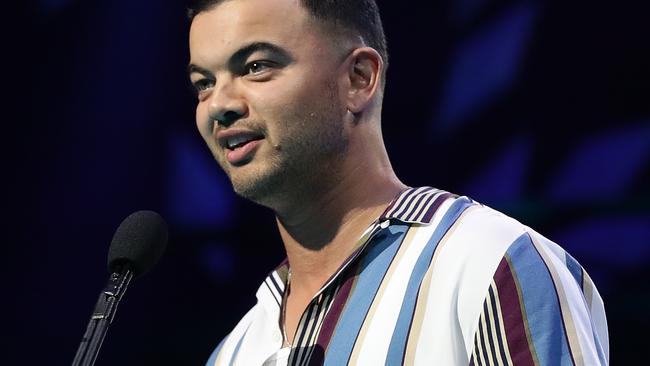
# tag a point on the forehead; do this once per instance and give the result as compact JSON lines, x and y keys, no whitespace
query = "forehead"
{"x":221,"y":30}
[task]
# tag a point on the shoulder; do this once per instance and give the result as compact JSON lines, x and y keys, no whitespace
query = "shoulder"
{"x":225,"y":350}
{"x":256,"y":334}
{"x":493,"y":264}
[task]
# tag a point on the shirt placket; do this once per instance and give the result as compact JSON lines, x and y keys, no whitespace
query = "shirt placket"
{"x":315,"y":312}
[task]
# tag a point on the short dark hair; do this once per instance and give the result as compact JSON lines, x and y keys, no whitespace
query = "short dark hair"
{"x":360,"y":16}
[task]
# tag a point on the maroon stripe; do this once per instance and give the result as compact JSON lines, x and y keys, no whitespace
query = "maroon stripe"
{"x":405,"y":192}
{"x":415,"y":213}
{"x":435,"y":205}
{"x":332,"y":317}
{"x":513,"y":320}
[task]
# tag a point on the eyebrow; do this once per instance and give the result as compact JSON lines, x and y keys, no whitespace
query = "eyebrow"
{"x":243,"y":53}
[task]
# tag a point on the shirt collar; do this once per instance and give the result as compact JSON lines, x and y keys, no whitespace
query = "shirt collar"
{"x":415,"y":205}
{"x":412,"y":205}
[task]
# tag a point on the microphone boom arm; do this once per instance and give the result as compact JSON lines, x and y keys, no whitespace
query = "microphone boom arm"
{"x":102,"y":317}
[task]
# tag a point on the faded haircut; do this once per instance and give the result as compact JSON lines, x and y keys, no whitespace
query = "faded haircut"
{"x":356,"y":16}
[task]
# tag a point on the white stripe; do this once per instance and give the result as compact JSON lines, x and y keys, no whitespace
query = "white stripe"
{"x":460,"y":278}
{"x":278,"y":280}
{"x":424,"y":212}
{"x":402,"y":197}
{"x":502,"y":329}
{"x":480,"y":341}
{"x":274,"y":292}
{"x":405,"y":213}
{"x":422,"y":202}
{"x":373,"y":349}
{"x":327,"y":302}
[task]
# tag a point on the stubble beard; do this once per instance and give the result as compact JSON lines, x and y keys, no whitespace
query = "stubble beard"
{"x":303,"y":164}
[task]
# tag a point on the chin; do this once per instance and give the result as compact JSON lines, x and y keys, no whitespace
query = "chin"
{"x":260,"y":190}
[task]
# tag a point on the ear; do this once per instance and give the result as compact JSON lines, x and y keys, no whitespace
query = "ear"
{"x":364,"y":74}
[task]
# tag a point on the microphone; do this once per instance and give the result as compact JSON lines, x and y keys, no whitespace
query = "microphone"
{"x":137,"y":245}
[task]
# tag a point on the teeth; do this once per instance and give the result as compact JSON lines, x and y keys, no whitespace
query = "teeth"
{"x":236,"y":141}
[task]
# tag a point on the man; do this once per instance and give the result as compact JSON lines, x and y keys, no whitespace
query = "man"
{"x":289,"y":102}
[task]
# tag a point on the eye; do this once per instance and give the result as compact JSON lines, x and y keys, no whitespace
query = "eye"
{"x":203,"y":84}
{"x":257,"y":67}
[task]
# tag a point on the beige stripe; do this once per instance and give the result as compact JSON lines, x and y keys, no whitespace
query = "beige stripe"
{"x":423,"y":296}
{"x":502,"y":328}
{"x":319,"y":323}
{"x":410,"y":192}
{"x":588,"y":289}
{"x":406,"y":243}
{"x":565,"y":310}
{"x":436,"y":195}
{"x":522,"y":305}
{"x":486,"y":340}
{"x":478,"y":344}
{"x":493,"y":329}
{"x":474,"y":356}
{"x":411,"y":207}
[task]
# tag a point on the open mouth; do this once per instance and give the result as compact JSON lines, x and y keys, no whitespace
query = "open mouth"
{"x":236,"y":142}
{"x":240,"y":147}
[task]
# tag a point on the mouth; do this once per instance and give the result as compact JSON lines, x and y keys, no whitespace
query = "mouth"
{"x":240,"y":146}
{"x":239,"y":141}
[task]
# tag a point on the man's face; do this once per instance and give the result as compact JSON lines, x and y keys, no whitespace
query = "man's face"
{"x":269,"y":105}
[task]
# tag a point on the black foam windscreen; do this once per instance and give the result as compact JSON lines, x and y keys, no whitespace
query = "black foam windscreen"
{"x":138,"y":242}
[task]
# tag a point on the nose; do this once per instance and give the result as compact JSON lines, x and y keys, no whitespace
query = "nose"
{"x":226,"y":104}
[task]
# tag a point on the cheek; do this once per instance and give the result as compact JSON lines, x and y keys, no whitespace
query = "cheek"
{"x":203,"y":122}
{"x":290,"y":98}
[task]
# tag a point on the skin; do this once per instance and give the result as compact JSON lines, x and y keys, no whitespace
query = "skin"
{"x":315,"y":102}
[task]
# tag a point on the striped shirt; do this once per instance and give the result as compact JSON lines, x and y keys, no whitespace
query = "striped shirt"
{"x":436,"y":279}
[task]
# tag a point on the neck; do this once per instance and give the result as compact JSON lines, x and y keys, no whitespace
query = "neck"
{"x":324,"y":229}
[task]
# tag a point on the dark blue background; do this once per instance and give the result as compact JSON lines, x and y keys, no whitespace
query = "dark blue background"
{"x":538,"y":108}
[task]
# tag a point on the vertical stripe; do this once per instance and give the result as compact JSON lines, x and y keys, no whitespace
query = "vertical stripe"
{"x":299,"y":340}
{"x":372,"y":269}
{"x":480,"y":343}
{"x":424,"y":295}
{"x":474,"y":360}
{"x":565,"y":311}
{"x":495,"y":327}
{"x":487,"y":344}
{"x":542,"y":313}
{"x":588,"y":290}
{"x":408,"y":204}
{"x":326,"y":301}
{"x":434,"y":207}
{"x":512,"y":310}
{"x":273,"y":290}
{"x":374,"y":336}
{"x":575,"y":269}
{"x":425,"y":201}
{"x":491,"y":339}
{"x":332,"y":317}
{"x":404,"y":200}
{"x":501,"y":330}
{"x":400,"y":335}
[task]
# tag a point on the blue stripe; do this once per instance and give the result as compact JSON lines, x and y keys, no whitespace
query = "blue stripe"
{"x":215,"y":353}
{"x":599,"y":347}
{"x":575,"y":269}
{"x":541,"y":303}
{"x":373,"y":267}
{"x":400,"y":335}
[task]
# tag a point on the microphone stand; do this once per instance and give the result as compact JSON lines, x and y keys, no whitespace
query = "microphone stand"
{"x":102,"y":317}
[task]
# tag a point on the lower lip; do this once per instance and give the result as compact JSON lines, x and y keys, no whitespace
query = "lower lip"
{"x":242,"y":154}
